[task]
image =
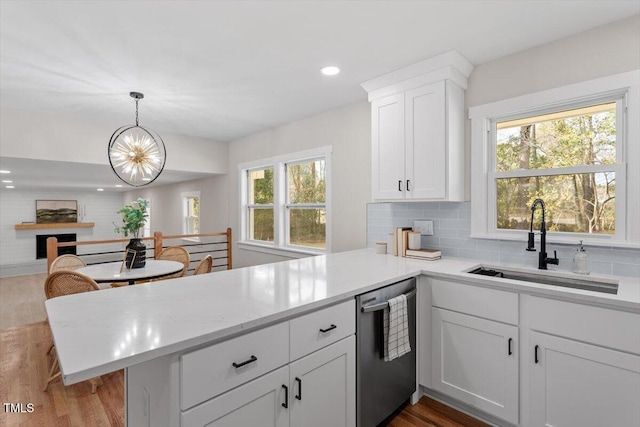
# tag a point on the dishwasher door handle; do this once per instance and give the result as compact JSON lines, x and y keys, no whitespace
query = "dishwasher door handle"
{"x":383,"y":305}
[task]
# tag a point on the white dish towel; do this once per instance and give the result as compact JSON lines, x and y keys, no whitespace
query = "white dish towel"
{"x":396,"y":328}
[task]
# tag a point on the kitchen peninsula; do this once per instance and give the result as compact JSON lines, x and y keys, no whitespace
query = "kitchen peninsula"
{"x":159,"y":331}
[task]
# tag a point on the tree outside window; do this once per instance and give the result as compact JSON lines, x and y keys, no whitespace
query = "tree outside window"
{"x":567,"y":158}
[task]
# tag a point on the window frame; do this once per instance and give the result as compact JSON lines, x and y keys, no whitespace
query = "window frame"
{"x":185,"y":211}
{"x":621,"y":88}
{"x":280,"y":245}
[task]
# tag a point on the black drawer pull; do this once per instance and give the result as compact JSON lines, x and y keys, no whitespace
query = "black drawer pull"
{"x":408,"y":181}
{"x":400,"y":185}
{"x":286,"y":396}
{"x":299,"y":395}
{"x":509,"y":345}
{"x":246,"y":362}
{"x":535,"y":354}
{"x":330,"y":328}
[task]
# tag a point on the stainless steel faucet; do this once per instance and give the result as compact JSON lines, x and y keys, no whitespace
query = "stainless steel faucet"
{"x":542,"y":256}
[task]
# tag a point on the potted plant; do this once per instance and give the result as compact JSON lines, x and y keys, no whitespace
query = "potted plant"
{"x":134,"y":217}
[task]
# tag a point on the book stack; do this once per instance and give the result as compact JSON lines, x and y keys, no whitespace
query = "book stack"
{"x":401,"y":246}
{"x":426,"y":254}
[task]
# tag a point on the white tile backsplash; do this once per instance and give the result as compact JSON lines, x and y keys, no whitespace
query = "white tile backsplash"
{"x":451,"y":234}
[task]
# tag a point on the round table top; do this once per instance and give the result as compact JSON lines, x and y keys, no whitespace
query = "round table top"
{"x":110,"y":272}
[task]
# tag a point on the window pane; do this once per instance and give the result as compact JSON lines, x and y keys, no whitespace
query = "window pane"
{"x":583,"y":203}
{"x":306,"y":182}
{"x":583,"y":136}
{"x":260,"y":186}
{"x":193,"y":225}
{"x":261,"y":224}
{"x":307,"y":227}
{"x":193,"y":206}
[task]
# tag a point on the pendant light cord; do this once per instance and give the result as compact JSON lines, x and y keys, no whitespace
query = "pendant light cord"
{"x":136,"y":112}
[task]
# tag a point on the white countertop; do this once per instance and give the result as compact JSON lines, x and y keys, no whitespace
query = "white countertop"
{"x":99,"y":332}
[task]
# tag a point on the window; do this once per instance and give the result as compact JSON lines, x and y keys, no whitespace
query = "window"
{"x":566,"y":146}
{"x":285,"y":206}
{"x":146,"y":230}
{"x":191,"y":212}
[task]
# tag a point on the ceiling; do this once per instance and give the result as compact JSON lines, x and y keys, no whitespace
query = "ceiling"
{"x":226,"y":69}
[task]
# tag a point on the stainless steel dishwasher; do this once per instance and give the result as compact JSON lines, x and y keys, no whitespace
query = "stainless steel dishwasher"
{"x":382,"y":387}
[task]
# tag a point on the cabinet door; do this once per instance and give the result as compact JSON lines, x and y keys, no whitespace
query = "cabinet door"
{"x":578,"y":384}
{"x":475,"y":361}
{"x":387,"y":149}
{"x":322,"y":387}
{"x":426,"y":142}
{"x":257,"y":403}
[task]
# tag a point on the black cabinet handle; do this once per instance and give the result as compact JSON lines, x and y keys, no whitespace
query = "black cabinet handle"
{"x":330,"y":328}
{"x":246,"y":362}
{"x":286,"y":396}
{"x":299,"y":395}
{"x":408,"y":181}
{"x":400,"y":185}
{"x":509,"y":345}
{"x":535,"y":354}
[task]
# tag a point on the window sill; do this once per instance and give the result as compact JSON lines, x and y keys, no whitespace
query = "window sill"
{"x":288,"y":252}
{"x":603,"y":241}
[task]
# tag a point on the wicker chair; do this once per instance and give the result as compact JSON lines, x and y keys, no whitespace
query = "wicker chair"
{"x":175,"y":253}
{"x":66,"y":262}
{"x":66,"y":282}
{"x":204,"y":266}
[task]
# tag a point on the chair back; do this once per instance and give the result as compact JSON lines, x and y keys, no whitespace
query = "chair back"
{"x":67,"y":262}
{"x":175,"y":253}
{"x":67,"y":282}
{"x":204,"y":266}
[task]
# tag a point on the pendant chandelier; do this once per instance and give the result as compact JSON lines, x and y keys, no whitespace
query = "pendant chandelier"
{"x":136,"y":154}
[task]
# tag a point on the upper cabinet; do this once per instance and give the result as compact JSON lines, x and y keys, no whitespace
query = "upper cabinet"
{"x":417,"y":118}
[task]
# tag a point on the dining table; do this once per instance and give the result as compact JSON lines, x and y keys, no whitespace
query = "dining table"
{"x":116,"y":272}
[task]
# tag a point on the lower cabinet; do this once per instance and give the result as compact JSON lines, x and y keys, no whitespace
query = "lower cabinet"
{"x":316,"y":390}
{"x":475,"y":361}
{"x":322,"y":387}
{"x":577,"y":384}
{"x":260,"y":402}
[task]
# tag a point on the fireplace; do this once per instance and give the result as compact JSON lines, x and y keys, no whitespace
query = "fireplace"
{"x":41,"y":244}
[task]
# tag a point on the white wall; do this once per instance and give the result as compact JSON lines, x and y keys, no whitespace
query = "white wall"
{"x":166,"y":204}
{"x":18,"y":247}
{"x":46,"y":136}
{"x":348,"y":131}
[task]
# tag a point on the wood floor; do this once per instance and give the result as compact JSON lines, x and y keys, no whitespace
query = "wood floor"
{"x":23,"y":369}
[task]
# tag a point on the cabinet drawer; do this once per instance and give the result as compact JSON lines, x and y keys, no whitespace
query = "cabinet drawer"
{"x":307,"y":333}
{"x":210,"y":371}
{"x":490,"y":304}
{"x":619,"y":330}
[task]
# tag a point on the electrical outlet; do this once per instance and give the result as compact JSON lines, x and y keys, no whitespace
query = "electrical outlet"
{"x":424,"y":227}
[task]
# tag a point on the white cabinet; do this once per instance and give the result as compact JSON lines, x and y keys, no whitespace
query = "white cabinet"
{"x":578,"y":384}
{"x":261,"y":402}
{"x":322,"y":387}
{"x":316,"y":390}
{"x":475,"y":361}
{"x":474,"y":347}
{"x":582,"y":365}
{"x":417,"y":130}
{"x":417,"y":144}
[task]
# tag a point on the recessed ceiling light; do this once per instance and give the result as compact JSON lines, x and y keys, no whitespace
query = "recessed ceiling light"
{"x":330,"y":70}
{"x":100,"y":189}
{"x":9,"y":186}
{"x":119,"y":185}
{"x":5,"y":171}
{"x":7,"y":181}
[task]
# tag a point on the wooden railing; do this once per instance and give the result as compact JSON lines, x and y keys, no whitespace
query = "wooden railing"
{"x":218,"y":245}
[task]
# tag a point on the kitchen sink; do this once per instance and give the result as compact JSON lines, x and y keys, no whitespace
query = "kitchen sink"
{"x":608,"y":287}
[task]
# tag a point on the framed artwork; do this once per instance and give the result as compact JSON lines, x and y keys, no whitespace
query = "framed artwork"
{"x":56,"y":211}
